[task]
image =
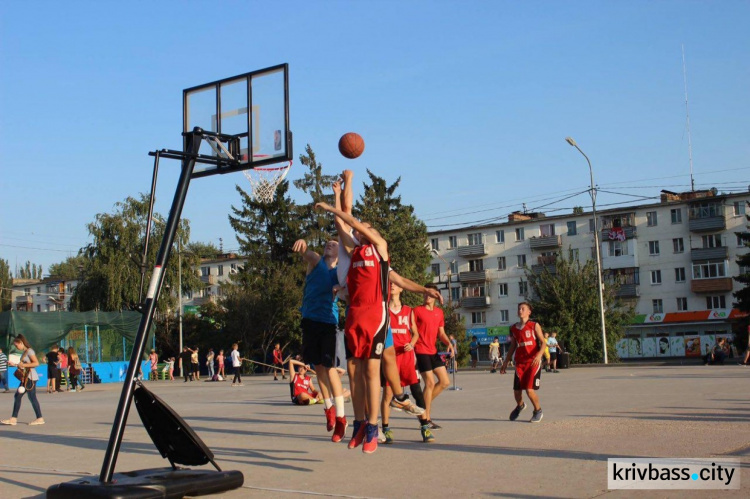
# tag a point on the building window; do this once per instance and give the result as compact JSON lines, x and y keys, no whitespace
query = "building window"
{"x":656,"y":277}
{"x":591,"y":225}
{"x":475,"y":238}
{"x":38,"y":290}
{"x":523,"y":288}
{"x":27,"y":291}
{"x":503,"y":316}
{"x":476,"y":265}
{"x":502,"y":289}
{"x":709,"y":269}
{"x":455,"y":293}
{"x":519,"y":234}
{"x":478,"y":318}
{"x":547,"y":230}
{"x":436,"y":269}
{"x":38,"y":308}
{"x":499,"y":236}
{"x":521,"y":261}
{"x":739,"y":208}
{"x":682,"y":304}
{"x":501,"y":263}
{"x":714,"y":302}
{"x":679,"y":245}
{"x":452,"y":242}
{"x":657,"y":306}
{"x":676,"y":216}
{"x":651,"y":218}
{"x":454,"y":267}
{"x":473,"y":291}
{"x":653,"y":247}
{"x":574,"y":255}
{"x":712,"y":241}
{"x":221,"y":270}
{"x":434,"y":243}
{"x":740,"y":240}
{"x":679,"y":274}
{"x":205,"y":271}
{"x":618,"y":248}
{"x":572,"y":230}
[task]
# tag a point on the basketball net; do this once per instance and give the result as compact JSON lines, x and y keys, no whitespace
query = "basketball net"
{"x":264,"y":181}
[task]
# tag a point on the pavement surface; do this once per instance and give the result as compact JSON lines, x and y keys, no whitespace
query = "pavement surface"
{"x":284,"y":451}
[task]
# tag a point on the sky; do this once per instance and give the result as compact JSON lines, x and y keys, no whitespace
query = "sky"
{"x":467,"y":102}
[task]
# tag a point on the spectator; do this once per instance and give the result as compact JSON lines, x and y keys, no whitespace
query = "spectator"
{"x":52,"y":362}
{"x":220,"y":361}
{"x":545,"y":361}
{"x":75,"y":369}
{"x":210,"y":363}
{"x":716,"y":355}
{"x":278,"y":362}
{"x":63,"y":371}
{"x":28,"y":365}
{"x":3,"y":371}
{"x":236,"y":365}
{"x":153,"y":358}
{"x":553,"y":348}
{"x":302,"y":386}
{"x":168,"y":369}
{"x":454,"y":343}
{"x":495,"y":354}
{"x":474,"y":351}
{"x":196,"y":368}
{"x":185,"y":364}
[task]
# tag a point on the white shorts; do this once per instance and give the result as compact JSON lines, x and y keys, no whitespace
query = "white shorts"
{"x":342,"y":268}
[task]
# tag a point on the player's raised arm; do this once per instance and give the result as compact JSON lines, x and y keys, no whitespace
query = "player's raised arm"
{"x":409,"y":285}
{"x":371,"y":234}
{"x":308,"y":256}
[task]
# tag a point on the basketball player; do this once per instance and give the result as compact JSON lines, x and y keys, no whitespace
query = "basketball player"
{"x":429,"y":322}
{"x":319,"y":320}
{"x":366,"y":322}
{"x":527,"y":342}
{"x":301,"y":385}
{"x":404,"y":339}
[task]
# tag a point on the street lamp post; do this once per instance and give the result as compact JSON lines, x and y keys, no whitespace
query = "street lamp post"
{"x":592,"y":191}
{"x":179,"y":288}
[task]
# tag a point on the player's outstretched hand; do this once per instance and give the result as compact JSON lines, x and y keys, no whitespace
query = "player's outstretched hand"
{"x":434,"y":293}
{"x":337,"y":187}
{"x":300,"y":246}
{"x":323,"y":206}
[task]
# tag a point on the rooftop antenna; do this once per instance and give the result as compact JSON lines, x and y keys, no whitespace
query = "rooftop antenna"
{"x":221,"y":245}
{"x":524,"y":208}
{"x":687,"y":113}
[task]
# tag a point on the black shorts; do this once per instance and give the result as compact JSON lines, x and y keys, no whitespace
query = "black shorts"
{"x":318,"y":343}
{"x":52,"y":372}
{"x":552,"y":356}
{"x":428,"y":362}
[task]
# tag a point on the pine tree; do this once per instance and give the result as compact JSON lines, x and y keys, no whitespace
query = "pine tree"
{"x":317,"y":226}
{"x":743,"y":295}
{"x":6,"y":286}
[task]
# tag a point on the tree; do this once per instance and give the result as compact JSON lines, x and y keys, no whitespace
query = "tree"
{"x":6,"y":286}
{"x":202,"y":250}
{"x":111,"y":274}
{"x":566,"y":300}
{"x":69,"y":269}
{"x":30,"y":271}
{"x":743,"y":295}
{"x":396,"y":222}
{"x":318,"y":226}
{"x":456,"y":327}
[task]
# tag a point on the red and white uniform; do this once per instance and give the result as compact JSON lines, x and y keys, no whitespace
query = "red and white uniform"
{"x":428,"y":323}
{"x":526,"y":350}
{"x":367,"y":317}
{"x":302,"y":384}
{"x":401,"y":330}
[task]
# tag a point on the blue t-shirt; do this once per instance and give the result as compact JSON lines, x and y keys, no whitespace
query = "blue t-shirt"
{"x":552,"y":344}
{"x":318,"y":303}
{"x":473,"y":346}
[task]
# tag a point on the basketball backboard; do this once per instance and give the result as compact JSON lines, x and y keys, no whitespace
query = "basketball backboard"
{"x":254,"y":107}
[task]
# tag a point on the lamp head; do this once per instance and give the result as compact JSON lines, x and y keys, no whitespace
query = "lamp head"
{"x":570,"y":141}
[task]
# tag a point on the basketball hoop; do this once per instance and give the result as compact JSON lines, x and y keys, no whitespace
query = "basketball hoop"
{"x":264,"y":181}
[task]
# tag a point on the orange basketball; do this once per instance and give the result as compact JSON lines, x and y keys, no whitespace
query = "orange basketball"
{"x":351,"y":145}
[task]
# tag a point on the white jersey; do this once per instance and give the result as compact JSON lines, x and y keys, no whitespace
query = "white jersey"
{"x":342,"y":268}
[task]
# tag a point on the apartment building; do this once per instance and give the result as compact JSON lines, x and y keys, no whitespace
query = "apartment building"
{"x":674,"y":261}
{"x":213,"y":272}
{"x":50,"y":294}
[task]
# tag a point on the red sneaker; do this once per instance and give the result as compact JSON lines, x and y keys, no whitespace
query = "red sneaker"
{"x":340,"y":430}
{"x":358,"y":434}
{"x":371,"y":439}
{"x":330,"y":417}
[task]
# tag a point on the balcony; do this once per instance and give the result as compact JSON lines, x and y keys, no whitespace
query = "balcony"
{"x":475,"y":275}
{"x":472,"y":250}
{"x":630,"y":233}
{"x":719,"y":253}
{"x":24,"y":300}
{"x":628,"y":291}
{"x":475,"y":302}
{"x":209,"y":279}
{"x":717,"y":285}
{"x":545,"y":242}
{"x":707,"y":217}
{"x":202,"y":300}
{"x":544,"y":262}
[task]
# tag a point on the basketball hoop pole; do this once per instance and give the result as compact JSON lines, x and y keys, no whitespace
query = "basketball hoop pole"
{"x":193,"y":143}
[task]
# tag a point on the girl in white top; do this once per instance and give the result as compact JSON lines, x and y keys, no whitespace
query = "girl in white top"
{"x":28,"y":362}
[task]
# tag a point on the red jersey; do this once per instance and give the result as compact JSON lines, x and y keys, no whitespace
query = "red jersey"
{"x":277,"y":359}
{"x":428,"y":324}
{"x":526,"y":345}
{"x":302,"y":385}
{"x":367,"y":279}
{"x":401,"y":328}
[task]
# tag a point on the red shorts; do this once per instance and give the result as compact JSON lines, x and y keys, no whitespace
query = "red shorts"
{"x":407,"y":370}
{"x":365,"y":331}
{"x":527,"y":376}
